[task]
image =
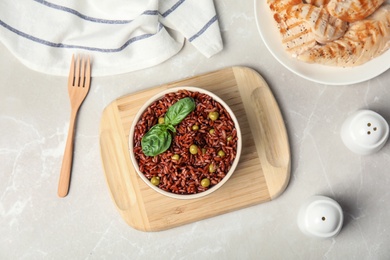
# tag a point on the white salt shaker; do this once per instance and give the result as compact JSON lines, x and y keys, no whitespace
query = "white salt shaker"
{"x":365,"y":132}
{"x":320,"y":217}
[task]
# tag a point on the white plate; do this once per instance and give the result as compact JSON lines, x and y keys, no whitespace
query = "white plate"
{"x":314,"y":72}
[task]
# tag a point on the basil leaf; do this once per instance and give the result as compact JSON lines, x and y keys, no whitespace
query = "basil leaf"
{"x":178,"y":111}
{"x":157,"y":140}
{"x":172,"y":128}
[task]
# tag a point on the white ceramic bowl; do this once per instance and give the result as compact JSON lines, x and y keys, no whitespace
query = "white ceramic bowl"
{"x":170,"y":194}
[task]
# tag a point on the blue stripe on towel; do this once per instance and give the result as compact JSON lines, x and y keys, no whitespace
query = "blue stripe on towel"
{"x":207,"y":25}
{"x":69,"y":46}
{"x":99,"y":20}
{"x":89,"y":18}
{"x":173,"y":8}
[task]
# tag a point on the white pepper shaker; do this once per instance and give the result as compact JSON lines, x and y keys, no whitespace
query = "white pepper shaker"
{"x":365,"y":132}
{"x":320,"y":217}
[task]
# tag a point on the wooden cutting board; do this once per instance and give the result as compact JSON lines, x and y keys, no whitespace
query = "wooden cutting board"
{"x":261,"y":175}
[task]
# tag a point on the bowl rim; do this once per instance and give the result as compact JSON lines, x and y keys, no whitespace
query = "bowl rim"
{"x":160,"y":95}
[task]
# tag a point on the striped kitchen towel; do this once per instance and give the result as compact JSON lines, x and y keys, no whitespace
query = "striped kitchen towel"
{"x":119,"y":35}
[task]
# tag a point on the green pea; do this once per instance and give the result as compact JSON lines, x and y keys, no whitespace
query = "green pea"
{"x":204,"y":150}
{"x":193,"y":149}
{"x":205,"y":182}
{"x":229,"y":138}
{"x":175,"y":157}
{"x":195,"y":127}
{"x":161,"y":120}
{"x":155,"y":180}
{"x":212,"y":168}
{"x":221,"y":153}
{"x":212,"y":131}
{"x":213,"y":115}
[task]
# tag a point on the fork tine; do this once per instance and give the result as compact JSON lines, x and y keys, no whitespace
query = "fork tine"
{"x":77,"y":76}
{"x":71,"y":72}
{"x":82,"y":75}
{"x":88,"y":74}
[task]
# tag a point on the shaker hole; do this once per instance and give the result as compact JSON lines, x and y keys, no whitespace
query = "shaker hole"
{"x":323,"y":218}
{"x":369,"y":124}
{"x":375,"y":128}
{"x":368,"y":132}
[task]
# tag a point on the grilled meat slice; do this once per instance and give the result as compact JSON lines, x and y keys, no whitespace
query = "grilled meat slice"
{"x":363,"y":41}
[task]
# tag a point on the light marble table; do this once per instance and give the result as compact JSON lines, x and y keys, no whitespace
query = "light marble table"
{"x":34,"y":114}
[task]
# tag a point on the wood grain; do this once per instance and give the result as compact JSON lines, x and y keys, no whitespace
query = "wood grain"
{"x":261,"y":175}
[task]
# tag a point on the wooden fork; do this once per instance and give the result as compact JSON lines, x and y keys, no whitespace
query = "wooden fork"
{"x":78,"y":86}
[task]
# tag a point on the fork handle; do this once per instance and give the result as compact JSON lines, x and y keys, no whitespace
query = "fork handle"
{"x":66,"y":168}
